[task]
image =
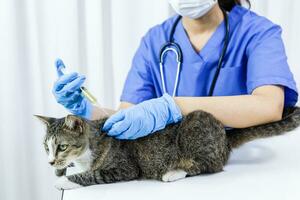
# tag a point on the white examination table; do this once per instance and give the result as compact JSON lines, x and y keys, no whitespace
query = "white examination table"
{"x":267,"y":169}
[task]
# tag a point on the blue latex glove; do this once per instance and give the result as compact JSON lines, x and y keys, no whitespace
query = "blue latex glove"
{"x":143,"y":119}
{"x":68,"y":93}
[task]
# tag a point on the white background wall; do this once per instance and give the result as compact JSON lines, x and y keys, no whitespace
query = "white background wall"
{"x":284,"y":13}
{"x":95,"y":37}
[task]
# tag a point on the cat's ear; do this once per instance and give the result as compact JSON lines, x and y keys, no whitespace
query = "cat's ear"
{"x":74,"y":123}
{"x":46,"y":120}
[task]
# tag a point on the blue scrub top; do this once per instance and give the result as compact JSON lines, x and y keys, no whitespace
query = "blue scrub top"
{"x":255,"y":57}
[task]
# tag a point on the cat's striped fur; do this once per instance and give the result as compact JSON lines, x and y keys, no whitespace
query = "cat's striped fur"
{"x":198,"y":144}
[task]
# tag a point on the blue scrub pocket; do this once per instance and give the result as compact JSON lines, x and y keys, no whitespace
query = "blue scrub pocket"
{"x":231,"y":81}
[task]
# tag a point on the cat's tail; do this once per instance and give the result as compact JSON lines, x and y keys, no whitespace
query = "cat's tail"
{"x":289,"y":122}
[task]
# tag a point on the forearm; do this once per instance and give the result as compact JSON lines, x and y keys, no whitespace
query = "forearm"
{"x":264,"y":105}
{"x":99,"y":112}
{"x":236,"y":111}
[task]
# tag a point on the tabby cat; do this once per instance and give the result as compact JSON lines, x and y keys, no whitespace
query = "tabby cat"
{"x":198,"y":144}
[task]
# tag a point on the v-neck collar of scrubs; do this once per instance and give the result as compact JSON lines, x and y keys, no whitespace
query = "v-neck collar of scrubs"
{"x":214,"y":42}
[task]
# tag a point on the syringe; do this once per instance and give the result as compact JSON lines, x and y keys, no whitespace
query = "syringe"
{"x":60,"y":67}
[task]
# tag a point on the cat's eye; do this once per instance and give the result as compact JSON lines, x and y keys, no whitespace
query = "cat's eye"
{"x":63,"y":147}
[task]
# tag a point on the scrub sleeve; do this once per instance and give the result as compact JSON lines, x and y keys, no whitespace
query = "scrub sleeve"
{"x":267,"y":64}
{"x":138,"y":86}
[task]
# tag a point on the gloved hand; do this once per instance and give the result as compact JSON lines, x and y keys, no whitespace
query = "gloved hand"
{"x":143,"y":119}
{"x":68,"y":93}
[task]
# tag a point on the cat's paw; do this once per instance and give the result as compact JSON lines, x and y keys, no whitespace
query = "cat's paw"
{"x":63,"y":183}
{"x":174,"y":175}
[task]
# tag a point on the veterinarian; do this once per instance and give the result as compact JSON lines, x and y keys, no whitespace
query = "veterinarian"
{"x":215,"y":56}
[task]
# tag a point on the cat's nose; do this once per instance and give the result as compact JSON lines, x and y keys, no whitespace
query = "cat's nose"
{"x":52,"y":162}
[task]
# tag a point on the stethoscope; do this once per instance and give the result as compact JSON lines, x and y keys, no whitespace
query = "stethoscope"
{"x":174,"y":47}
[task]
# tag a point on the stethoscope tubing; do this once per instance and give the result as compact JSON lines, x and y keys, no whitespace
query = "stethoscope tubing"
{"x":177,"y":73}
{"x":174,"y":47}
{"x":223,"y":53}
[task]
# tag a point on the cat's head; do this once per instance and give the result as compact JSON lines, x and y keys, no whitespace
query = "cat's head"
{"x":66,"y":140}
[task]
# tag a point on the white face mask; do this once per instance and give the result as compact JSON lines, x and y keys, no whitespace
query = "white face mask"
{"x":192,"y":8}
